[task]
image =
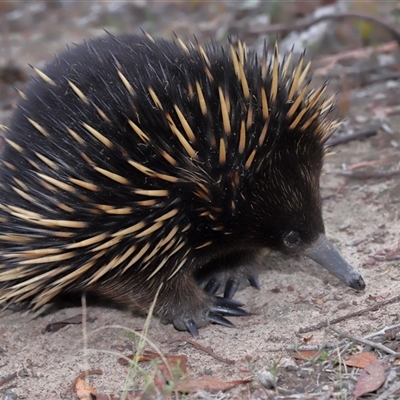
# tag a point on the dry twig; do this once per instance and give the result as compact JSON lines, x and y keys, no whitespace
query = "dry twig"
{"x":332,"y":142}
{"x":206,"y":350}
{"x":375,"y":307}
{"x":359,"y":339}
{"x":358,"y":53}
{"x":370,"y":175}
{"x":305,"y":23}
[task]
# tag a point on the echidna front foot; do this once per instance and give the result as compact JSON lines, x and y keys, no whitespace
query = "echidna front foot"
{"x":229,"y":273}
{"x":189,"y":307}
{"x":216,"y":313}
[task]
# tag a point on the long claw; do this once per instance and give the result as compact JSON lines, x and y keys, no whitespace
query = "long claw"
{"x":212,"y":286}
{"x":192,"y":327}
{"x":224,"y":302}
{"x":231,"y":288}
{"x":219,"y":319}
{"x":228,"y":307}
{"x":254,"y":282}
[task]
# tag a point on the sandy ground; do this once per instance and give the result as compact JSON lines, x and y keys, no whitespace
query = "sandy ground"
{"x":362,"y":219}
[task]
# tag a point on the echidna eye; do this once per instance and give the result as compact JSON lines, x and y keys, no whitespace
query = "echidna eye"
{"x":291,"y":239}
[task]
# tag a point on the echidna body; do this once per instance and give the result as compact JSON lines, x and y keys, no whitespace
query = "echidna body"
{"x":133,"y":165}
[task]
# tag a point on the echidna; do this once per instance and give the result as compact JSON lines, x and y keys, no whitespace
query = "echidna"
{"x":133,"y":163}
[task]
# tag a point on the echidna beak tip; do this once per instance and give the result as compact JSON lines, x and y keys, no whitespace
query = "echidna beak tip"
{"x":357,"y":283}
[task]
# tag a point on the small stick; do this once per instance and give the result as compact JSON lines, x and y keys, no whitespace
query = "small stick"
{"x":370,"y":175}
{"x":7,"y":378}
{"x":393,"y":388}
{"x":382,"y":331}
{"x":363,"y":52}
{"x":332,"y":142}
{"x":309,"y":21}
{"x":358,"y":313}
{"x":359,"y":339}
{"x":206,"y":350}
{"x":291,"y":347}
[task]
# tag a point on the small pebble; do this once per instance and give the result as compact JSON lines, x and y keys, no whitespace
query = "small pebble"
{"x":362,"y":119}
{"x":344,"y":226}
{"x":303,"y":374}
{"x":343,"y":306}
{"x":356,"y":242}
{"x":369,"y":262}
{"x":10,"y":395}
{"x":378,"y":232}
{"x":267,"y":379}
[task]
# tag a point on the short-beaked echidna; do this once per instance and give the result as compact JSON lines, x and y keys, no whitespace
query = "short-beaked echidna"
{"x":133,"y":163}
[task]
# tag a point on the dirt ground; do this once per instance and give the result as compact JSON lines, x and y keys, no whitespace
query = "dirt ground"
{"x":361,"y":214}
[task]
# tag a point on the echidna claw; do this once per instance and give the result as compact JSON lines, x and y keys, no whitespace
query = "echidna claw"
{"x":231,"y":287}
{"x":219,"y":319}
{"x":212,"y":286}
{"x":228,"y":283}
{"x":254,"y":282}
{"x":229,"y":303}
{"x":191,"y":327}
{"x":225,"y":306}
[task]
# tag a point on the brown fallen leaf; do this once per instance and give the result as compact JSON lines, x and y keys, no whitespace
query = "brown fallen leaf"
{"x":147,"y":355}
{"x":361,"y":360}
{"x":83,"y":390}
{"x":370,"y":379}
{"x":176,"y":364}
{"x":209,"y":383}
{"x":170,"y":371}
{"x":83,"y":375}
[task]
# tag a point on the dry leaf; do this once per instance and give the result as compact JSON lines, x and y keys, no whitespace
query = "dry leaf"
{"x":177,"y":364}
{"x":361,"y":360}
{"x":370,"y":379}
{"x":83,"y":390}
{"x":173,"y":361}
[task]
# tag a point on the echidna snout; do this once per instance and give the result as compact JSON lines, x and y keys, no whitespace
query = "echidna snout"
{"x":324,"y":253}
{"x":134,"y":166}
